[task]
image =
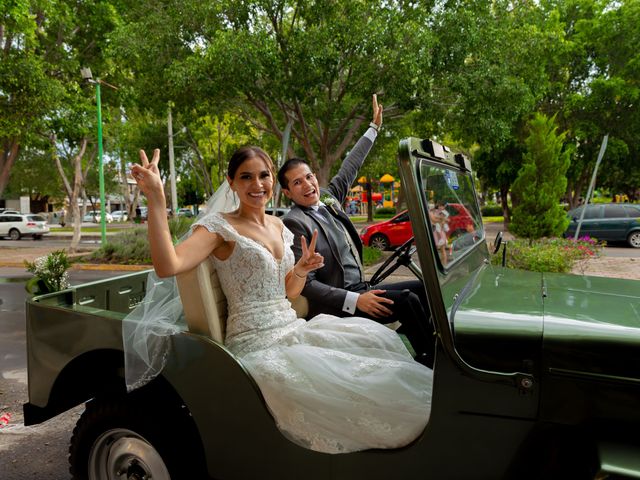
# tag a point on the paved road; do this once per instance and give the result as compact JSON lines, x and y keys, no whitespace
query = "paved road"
{"x":38,"y":452}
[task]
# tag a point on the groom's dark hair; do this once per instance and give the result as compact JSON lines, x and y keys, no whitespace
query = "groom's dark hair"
{"x":288,"y":165}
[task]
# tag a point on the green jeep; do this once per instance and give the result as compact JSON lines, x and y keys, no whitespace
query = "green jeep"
{"x":535,"y":375}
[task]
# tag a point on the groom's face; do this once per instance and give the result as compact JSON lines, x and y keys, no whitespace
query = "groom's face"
{"x":303,"y":186}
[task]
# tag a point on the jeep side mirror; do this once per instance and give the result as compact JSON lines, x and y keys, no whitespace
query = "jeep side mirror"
{"x":497,"y":243}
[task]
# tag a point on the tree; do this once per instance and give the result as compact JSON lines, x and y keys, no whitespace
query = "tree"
{"x":541,"y":182}
{"x":594,"y":86}
{"x":31,"y":175}
{"x":27,"y":91}
{"x":499,"y":169}
{"x":314,"y":62}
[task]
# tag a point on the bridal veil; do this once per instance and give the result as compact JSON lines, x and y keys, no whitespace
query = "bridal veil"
{"x":147,"y":330}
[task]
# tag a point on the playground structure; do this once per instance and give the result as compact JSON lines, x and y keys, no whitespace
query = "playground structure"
{"x":384,"y":193}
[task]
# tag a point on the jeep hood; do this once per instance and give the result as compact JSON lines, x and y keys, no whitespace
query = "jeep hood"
{"x":592,"y":327}
{"x":514,"y":320}
{"x":498,"y":325}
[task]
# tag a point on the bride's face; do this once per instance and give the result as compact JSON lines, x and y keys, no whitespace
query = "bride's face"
{"x":253,"y":182}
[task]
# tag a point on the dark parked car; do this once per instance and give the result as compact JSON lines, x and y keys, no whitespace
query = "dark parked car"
{"x":612,"y":222}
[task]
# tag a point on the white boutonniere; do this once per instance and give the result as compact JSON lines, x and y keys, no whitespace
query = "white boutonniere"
{"x":330,"y":202}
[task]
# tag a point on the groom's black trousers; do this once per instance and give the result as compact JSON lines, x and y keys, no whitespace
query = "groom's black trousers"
{"x":410,"y":308}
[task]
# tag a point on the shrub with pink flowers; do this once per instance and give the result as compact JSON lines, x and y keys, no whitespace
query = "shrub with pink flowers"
{"x":549,"y":254}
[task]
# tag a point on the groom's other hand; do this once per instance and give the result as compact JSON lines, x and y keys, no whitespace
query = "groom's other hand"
{"x":370,"y":302}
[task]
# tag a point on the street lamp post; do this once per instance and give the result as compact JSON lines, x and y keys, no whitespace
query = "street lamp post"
{"x":172,"y":168}
{"x":86,"y":75}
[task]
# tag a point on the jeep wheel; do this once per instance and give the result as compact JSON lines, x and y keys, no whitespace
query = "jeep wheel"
{"x":14,"y":234}
{"x":379,"y":241}
{"x":634,"y":239}
{"x":115,"y":438}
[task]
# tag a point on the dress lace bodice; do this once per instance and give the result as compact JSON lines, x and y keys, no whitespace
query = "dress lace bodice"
{"x":252,"y":280}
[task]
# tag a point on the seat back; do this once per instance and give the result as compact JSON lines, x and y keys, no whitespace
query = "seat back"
{"x":204,"y":303}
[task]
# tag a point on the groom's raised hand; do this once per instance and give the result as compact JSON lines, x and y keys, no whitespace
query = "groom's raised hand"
{"x":377,"y":111}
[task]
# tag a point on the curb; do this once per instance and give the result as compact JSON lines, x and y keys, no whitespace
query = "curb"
{"x":88,"y":266}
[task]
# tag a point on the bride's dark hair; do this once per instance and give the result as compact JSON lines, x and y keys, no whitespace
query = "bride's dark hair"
{"x":245,"y":153}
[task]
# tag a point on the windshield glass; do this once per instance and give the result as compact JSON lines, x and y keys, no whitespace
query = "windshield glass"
{"x":456,"y":223}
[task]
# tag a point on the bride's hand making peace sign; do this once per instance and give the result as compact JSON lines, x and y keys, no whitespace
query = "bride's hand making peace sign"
{"x":147,"y":175}
{"x":310,"y":259}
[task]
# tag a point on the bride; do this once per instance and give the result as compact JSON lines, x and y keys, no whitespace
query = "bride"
{"x":333,"y":385}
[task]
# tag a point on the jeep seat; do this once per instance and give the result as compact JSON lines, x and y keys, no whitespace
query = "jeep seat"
{"x":204,"y":303}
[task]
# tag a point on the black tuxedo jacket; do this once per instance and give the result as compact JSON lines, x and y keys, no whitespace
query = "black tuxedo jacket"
{"x":325,"y":287}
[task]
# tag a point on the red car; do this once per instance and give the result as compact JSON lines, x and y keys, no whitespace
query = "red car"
{"x":397,"y":230}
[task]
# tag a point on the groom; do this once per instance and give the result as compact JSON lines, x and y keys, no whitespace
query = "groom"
{"x":340,"y":288}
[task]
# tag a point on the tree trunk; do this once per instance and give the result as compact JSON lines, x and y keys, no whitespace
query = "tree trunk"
{"x":8,"y":155}
{"x":73,"y":191}
{"x":369,"y":200}
{"x":504,"y":192}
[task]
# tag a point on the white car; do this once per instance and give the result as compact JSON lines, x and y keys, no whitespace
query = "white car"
{"x":10,"y":212}
{"x":94,"y":216}
{"x":119,"y":216}
{"x":16,"y":226}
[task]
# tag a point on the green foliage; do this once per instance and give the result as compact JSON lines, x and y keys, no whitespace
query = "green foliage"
{"x":370,"y":256}
{"x":492,"y":57}
{"x":548,"y":254}
{"x":179,"y":226}
{"x":541,"y":183}
{"x":50,"y":273}
{"x":131,"y":246}
{"x":314,"y":62}
{"x":491,"y":210}
{"x":384,"y":212}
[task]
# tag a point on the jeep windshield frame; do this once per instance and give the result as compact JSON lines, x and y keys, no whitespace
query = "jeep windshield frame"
{"x":417,"y":158}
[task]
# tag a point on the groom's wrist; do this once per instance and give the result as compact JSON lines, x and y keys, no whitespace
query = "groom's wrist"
{"x":350,"y":302}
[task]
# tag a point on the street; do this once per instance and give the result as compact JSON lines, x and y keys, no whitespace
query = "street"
{"x":29,"y":452}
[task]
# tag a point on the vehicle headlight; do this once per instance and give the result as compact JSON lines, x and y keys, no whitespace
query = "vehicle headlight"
{"x":364,"y":230}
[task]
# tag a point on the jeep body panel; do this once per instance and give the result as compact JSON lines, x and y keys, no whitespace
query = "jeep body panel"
{"x":499,"y":332}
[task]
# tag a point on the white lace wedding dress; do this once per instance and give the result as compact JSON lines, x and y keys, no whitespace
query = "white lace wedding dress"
{"x":333,"y":384}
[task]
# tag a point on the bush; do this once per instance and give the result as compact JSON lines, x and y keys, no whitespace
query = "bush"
{"x":491,"y":210}
{"x":382,"y":211}
{"x":370,"y":256}
{"x":131,"y":246}
{"x":548,"y":254}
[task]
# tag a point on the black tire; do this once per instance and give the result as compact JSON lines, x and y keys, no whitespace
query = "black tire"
{"x":14,"y":234}
{"x":120,"y":435}
{"x":634,"y":239}
{"x":379,"y":241}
